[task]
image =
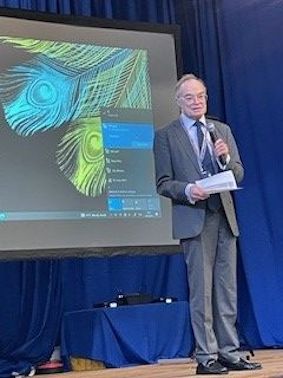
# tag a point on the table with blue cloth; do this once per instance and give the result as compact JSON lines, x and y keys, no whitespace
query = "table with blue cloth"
{"x":128,"y":335}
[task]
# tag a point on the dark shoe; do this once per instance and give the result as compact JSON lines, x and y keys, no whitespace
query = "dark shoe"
{"x":242,"y":364}
{"x":213,"y":367}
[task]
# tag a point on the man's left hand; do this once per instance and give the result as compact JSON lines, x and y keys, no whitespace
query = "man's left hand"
{"x":221,"y":148}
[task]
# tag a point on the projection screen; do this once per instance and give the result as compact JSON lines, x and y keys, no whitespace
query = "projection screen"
{"x":80,"y":100}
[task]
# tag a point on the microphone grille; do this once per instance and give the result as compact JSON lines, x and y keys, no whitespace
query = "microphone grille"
{"x":210,"y":127}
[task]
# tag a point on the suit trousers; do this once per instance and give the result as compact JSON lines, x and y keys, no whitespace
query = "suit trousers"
{"x":211,"y":259}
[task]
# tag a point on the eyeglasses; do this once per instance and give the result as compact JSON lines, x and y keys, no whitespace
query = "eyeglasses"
{"x":191,"y":98}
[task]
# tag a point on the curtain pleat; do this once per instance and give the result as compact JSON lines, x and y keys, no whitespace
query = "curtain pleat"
{"x":31,"y":313}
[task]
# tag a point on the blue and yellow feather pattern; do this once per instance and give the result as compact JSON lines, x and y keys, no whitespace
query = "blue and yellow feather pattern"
{"x":67,"y":84}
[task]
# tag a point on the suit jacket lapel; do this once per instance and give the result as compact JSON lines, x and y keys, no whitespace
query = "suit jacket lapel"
{"x":185,"y":143}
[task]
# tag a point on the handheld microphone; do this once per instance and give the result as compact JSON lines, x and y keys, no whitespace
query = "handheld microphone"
{"x":213,"y":135}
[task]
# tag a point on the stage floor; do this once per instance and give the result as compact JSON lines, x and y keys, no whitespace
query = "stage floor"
{"x":271,"y":359}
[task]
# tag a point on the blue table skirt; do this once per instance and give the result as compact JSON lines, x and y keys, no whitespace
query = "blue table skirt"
{"x":128,"y":335}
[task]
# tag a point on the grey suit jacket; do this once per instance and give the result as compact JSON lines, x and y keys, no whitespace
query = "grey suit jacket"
{"x":176,"y":165}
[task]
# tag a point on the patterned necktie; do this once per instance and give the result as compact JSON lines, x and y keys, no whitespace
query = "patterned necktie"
{"x":213,"y":201}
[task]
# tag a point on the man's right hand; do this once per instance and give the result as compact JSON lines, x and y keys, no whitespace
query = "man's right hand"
{"x":198,"y":193}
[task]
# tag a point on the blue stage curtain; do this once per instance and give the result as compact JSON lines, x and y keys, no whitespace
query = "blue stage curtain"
{"x":235,"y":47}
{"x":31,"y":309}
{"x":240,"y":59}
{"x":252,"y":76}
{"x":138,"y":10}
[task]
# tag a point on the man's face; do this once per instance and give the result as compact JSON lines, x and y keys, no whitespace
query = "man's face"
{"x":192,"y":99}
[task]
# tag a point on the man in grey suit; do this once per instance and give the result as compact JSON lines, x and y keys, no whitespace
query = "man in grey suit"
{"x":205,"y":224}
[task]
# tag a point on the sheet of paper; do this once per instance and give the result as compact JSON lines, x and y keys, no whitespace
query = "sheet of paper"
{"x":221,"y":182}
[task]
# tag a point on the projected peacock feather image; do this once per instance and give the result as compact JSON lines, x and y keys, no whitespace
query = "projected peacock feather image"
{"x":66,"y":85}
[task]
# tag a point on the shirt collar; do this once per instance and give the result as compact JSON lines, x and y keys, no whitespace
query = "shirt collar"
{"x":189,"y":122}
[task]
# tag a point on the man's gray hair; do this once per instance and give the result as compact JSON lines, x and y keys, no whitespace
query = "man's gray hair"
{"x":185,"y":78}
